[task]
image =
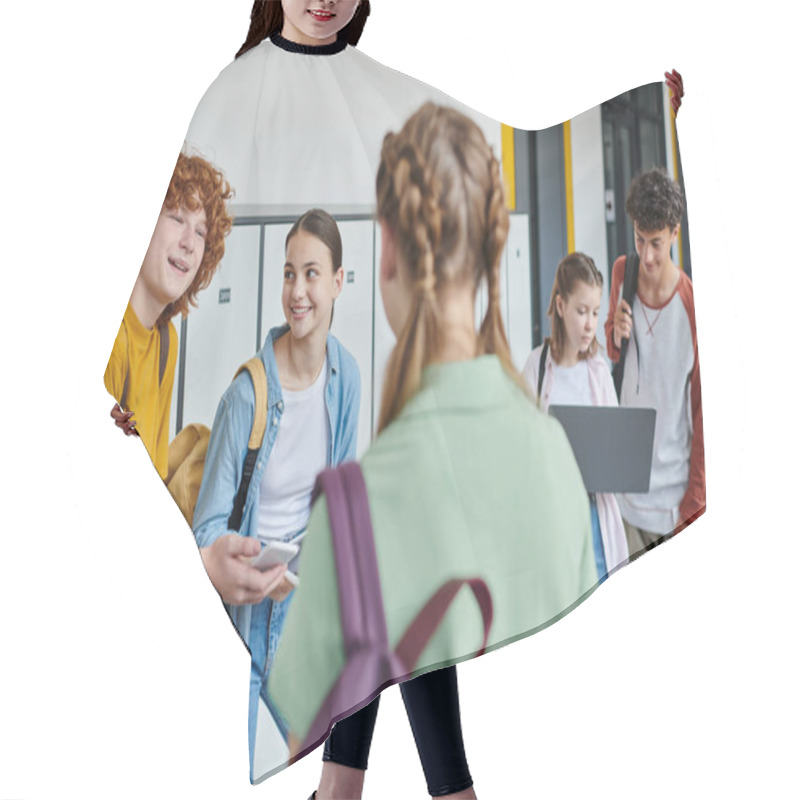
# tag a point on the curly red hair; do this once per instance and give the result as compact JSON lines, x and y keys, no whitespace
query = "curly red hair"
{"x":195,"y":183}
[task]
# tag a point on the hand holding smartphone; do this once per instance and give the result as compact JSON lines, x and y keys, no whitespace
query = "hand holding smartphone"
{"x":274,"y":553}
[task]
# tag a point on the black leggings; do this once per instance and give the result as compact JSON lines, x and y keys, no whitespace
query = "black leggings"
{"x":432,"y":707}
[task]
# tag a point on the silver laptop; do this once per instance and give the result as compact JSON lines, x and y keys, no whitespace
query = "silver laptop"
{"x":613,"y":446}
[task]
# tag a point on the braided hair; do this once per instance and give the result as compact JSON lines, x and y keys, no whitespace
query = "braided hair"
{"x":266,"y":19}
{"x":439,"y":190}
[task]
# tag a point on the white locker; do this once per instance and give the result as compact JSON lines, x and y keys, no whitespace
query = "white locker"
{"x":504,"y":290}
{"x":354,"y":312}
{"x":383,"y":338}
{"x":272,"y":314}
{"x":481,"y":303}
{"x":519,"y":318}
{"x":482,"y":295}
{"x":221,"y":331}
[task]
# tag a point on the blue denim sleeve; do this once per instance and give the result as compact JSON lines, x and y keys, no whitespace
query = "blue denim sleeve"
{"x":351,"y":403}
{"x":224,"y":460}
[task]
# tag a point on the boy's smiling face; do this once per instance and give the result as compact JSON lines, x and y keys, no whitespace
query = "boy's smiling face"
{"x":174,"y":254}
{"x":654,"y":248}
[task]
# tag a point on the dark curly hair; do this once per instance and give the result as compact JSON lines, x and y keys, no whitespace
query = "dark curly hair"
{"x":266,"y":19}
{"x":195,"y":184}
{"x":655,"y":201}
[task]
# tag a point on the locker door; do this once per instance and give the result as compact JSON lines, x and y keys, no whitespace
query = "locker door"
{"x":383,"y":338}
{"x":272,"y":315}
{"x":481,"y":303}
{"x":221,"y":331}
{"x":519,"y":322}
{"x":482,"y":295}
{"x":354,"y":310}
{"x":504,"y":288}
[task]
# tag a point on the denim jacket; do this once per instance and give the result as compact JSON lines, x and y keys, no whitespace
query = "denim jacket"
{"x":228,"y":447}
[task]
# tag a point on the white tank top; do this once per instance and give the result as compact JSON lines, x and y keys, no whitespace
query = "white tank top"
{"x":298,"y":455}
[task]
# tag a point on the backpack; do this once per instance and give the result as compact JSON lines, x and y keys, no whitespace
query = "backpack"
{"x":629,"y":283}
{"x":370,"y":664}
{"x":187,"y":453}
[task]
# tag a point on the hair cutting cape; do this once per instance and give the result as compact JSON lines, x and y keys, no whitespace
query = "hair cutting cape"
{"x":463,"y":486}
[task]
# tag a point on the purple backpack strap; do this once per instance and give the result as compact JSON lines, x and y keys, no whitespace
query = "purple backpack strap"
{"x":369,"y":663}
{"x":360,"y":595}
{"x":424,"y":625}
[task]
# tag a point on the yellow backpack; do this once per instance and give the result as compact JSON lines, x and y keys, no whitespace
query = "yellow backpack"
{"x":187,"y":452}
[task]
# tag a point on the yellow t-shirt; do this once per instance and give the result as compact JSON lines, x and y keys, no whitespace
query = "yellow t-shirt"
{"x":136,"y":353}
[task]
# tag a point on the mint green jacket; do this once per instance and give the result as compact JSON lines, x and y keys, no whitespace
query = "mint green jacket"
{"x":471,"y":480}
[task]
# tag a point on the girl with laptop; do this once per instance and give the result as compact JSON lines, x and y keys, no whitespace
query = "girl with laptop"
{"x":569,"y":369}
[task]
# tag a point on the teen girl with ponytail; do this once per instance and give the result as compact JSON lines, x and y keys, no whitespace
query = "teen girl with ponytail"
{"x":466,"y":477}
{"x":313,"y":387}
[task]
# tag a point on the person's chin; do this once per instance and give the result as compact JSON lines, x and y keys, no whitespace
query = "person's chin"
{"x":319,"y":31}
{"x":300,"y":328}
{"x":173,"y":293}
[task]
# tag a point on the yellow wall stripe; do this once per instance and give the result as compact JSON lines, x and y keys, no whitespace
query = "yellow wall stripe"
{"x":509,"y":180}
{"x":568,"y":187}
{"x":674,"y":137}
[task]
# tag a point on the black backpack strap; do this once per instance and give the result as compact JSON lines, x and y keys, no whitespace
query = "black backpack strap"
{"x":542,"y":364}
{"x":255,"y":369}
{"x":629,"y":283}
{"x":631,"y":279}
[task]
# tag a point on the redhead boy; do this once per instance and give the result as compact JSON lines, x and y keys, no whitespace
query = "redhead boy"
{"x":661,"y":368}
{"x":186,"y":248}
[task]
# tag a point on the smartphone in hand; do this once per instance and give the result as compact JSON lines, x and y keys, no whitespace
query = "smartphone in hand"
{"x":274,"y":553}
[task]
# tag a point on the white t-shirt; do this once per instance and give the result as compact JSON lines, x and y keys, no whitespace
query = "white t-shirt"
{"x":571,"y":386}
{"x":298,"y":455}
{"x":658,"y":369}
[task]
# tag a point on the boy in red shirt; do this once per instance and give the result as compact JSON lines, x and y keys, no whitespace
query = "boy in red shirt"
{"x":661,"y":367}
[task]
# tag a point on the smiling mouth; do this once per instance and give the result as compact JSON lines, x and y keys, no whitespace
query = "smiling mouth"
{"x":299,"y":311}
{"x":181,"y":266}
{"x":322,"y":16}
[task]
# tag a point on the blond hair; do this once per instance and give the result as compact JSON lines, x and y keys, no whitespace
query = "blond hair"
{"x":440,"y":192}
